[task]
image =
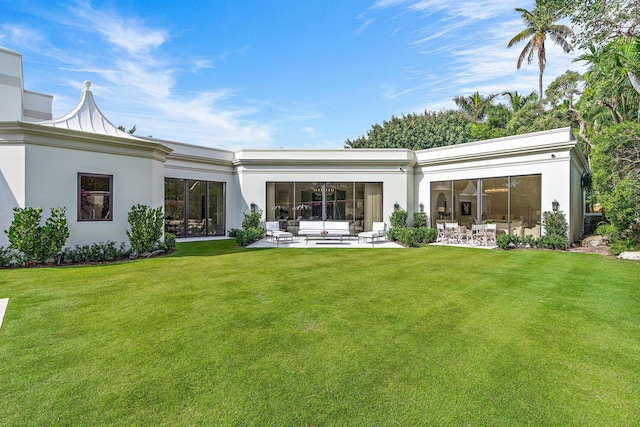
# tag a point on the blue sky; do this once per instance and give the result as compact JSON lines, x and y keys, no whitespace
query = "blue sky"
{"x":271,"y":73}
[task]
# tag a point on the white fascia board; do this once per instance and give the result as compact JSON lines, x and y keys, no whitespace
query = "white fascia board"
{"x":517,"y":145}
{"x":389,"y":157}
{"x":36,"y":134}
{"x":182,"y":152}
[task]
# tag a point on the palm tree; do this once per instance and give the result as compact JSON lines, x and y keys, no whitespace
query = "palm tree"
{"x":475,"y":106}
{"x":518,"y":100}
{"x":540,"y":23}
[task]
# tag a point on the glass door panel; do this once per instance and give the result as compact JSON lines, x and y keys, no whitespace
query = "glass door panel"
{"x":174,"y":206}
{"x":215,"y":222}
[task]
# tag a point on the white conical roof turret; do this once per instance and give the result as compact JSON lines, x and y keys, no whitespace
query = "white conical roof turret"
{"x":87,"y":117}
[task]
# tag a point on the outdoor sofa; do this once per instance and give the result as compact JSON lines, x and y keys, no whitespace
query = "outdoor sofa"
{"x":324,"y":229}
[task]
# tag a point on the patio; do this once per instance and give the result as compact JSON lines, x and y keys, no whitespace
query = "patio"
{"x":300,"y":242}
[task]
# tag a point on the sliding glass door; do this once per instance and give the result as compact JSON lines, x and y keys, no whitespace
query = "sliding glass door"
{"x":512,"y":202}
{"x":194,"y":208}
{"x":358,"y":203}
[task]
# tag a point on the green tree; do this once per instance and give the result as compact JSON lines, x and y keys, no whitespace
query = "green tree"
{"x":130,"y":131}
{"x":518,"y":100}
{"x":601,"y":21}
{"x":608,"y":86}
{"x":417,"y":131}
{"x":616,"y":177}
{"x":475,"y":106}
{"x":540,"y":23}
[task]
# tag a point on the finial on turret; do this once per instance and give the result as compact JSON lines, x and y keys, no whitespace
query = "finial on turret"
{"x":87,"y":84}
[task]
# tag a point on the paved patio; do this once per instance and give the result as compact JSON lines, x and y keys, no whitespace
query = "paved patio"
{"x":299,"y":242}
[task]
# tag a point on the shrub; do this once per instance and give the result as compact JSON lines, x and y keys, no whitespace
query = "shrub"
{"x":399,"y":218}
{"x":96,"y":252}
{"x":605,"y":229}
{"x":623,"y":244}
{"x":251,"y":230}
{"x":503,"y":241}
{"x":24,"y":232}
{"x":251,"y":220}
{"x":407,"y":236}
{"x":11,"y":258}
{"x":146,"y":228}
{"x":420,"y":219}
{"x":35,"y":242}
{"x":247,"y":236}
{"x":169,"y":242}
{"x":429,"y":235}
{"x":530,"y":242}
{"x":509,"y":241}
{"x":556,"y":229}
{"x":54,"y":234}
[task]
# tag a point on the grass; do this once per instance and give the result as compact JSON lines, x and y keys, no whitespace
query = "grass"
{"x":218,"y":335}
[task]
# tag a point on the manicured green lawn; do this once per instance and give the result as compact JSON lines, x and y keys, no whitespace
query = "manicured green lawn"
{"x":216,"y":335}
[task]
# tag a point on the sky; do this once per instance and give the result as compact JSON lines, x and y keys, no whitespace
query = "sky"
{"x":236,"y":74}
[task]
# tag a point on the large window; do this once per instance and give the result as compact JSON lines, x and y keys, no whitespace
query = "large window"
{"x":95,"y":197}
{"x":194,"y":207}
{"x":360,"y":203}
{"x":512,"y":202}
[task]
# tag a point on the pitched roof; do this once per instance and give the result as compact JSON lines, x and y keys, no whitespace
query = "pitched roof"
{"x":87,"y":117}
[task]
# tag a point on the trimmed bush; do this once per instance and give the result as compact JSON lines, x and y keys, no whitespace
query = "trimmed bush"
{"x":96,"y":252}
{"x":251,"y":230}
{"x":24,"y":232}
{"x":35,"y":242}
{"x":146,"y":228}
{"x":406,"y":236}
{"x":430,"y":235}
{"x":54,"y":234}
{"x":251,"y":220}
{"x":399,"y":218}
{"x":247,"y":236}
{"x":420,"y":219}
{"x":556,"y":229}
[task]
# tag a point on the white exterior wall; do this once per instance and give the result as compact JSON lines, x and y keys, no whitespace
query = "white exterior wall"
{"x":206,"y":164}
{"x":10,"y":85}
{"x":550,"y":154}
{"x":52,"y":181}
{"x":37,"y":106}
{"x":390,"y":167}
{"x":12,"y":185}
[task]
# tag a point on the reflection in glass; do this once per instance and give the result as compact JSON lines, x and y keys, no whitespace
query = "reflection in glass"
{"x":203,"y":207}
{"x":512,"y":202}
{"x":94,"y":194}
{"x":358,"y":203}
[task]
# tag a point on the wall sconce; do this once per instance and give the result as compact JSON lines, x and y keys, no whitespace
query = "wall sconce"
{"x":396,"y":206}
{"x":555,"y":205}
{"x":253,"y":207}
{"x":421,"y":206}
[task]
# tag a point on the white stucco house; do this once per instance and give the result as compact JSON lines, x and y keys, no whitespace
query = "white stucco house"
{"x":83,"y":162}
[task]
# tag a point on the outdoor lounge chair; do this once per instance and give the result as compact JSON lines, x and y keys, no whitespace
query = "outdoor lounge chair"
{"x":378,"y":232}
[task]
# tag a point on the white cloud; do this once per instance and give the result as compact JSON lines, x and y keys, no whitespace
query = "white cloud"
{"x":21,"y":35}
{"x":130,"y":34}
{"x":363,"y":27}
{"x":134,"y":80}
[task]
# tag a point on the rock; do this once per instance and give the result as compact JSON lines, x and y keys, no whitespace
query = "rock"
{"x":595,"y":241}
{"x":633,"y":256}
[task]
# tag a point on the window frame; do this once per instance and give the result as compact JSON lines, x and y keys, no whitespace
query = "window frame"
{"x":79,"y":197}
